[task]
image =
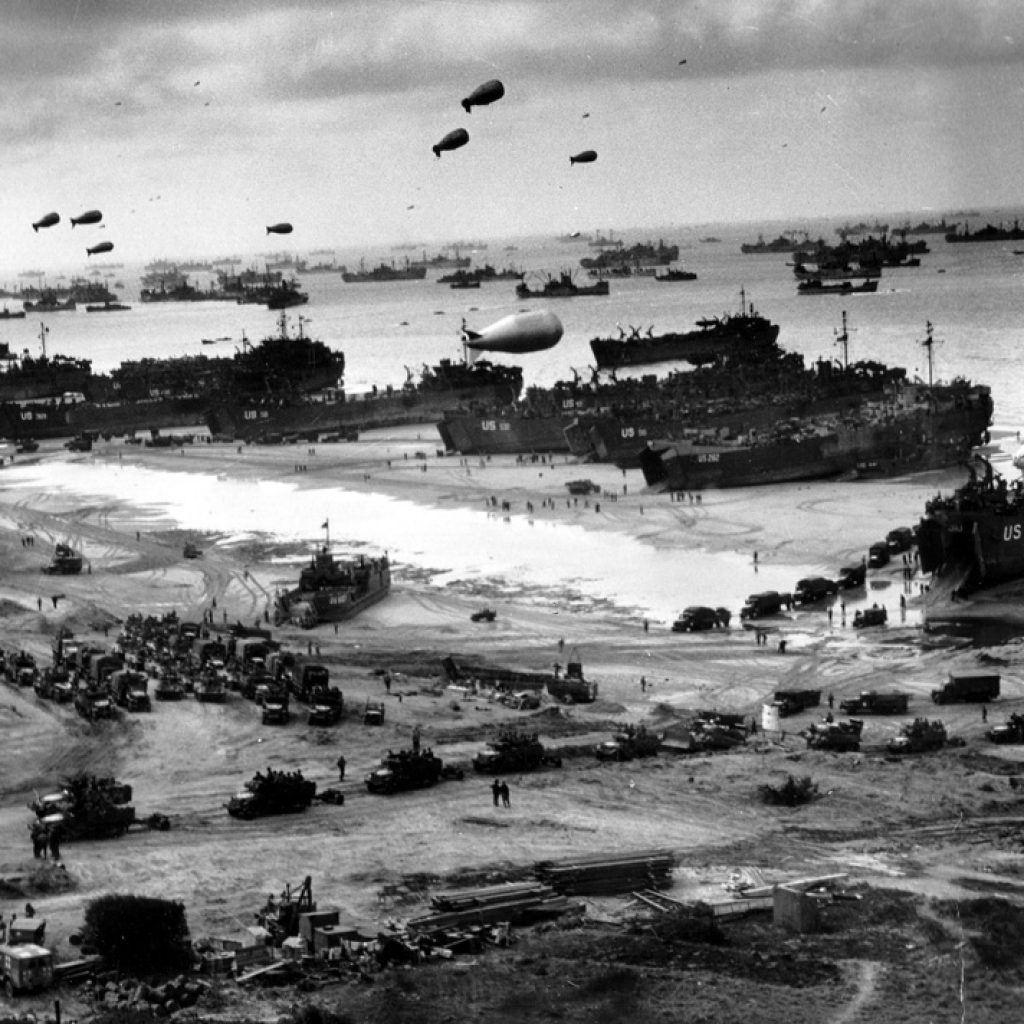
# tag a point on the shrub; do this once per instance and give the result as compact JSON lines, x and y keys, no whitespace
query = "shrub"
{"x":791,"y":793}
{"x":138,"y":934}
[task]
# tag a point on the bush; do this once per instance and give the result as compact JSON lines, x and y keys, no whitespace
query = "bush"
{"x":138,"y":934}
{"x":791,"y":793}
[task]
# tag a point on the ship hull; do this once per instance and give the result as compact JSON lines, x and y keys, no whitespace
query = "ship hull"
{"x":695,"y":347}
{"x":497,"y":434}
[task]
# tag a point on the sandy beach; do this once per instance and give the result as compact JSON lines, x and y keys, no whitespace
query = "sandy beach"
{"x":630,"y":556}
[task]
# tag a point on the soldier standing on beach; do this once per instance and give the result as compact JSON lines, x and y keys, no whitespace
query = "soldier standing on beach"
{"x":496,"y":791}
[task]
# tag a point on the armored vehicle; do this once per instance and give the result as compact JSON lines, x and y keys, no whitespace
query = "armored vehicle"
{"x":835,"y":735}
{"x":968,"y":686}
{"x":272,"y":793}
{"x":918,"y":736}
{"x":131,"y":689}
{"x":513,"y":751}
{"x":408,"y":769}
{"x":792,"y":702}
{"x":65,"y":562}
{"x":632,"y":741}
{"x":870,"y":702}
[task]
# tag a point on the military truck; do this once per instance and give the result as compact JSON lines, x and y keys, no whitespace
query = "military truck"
{"x":899,"y":540}
{"x":275,"y":708}
{"x":918,"y":736}
{"x":1011,"y":731}
{"x":834,"y":735}
{"x":968,"y":686}
{"x":169,"y":685}
{"x":304,"y":680}
{"x":812,"y":589}
{"x":767,"y":602}
{"x":408,"y":769}
{"x":873,"y":616}
{"x":21,"y":669}
{"x":93,"y":703}
{"x":373,"y":713}
{"x":852,"y":576}
{"x":54,"y":684}
{"x":878,"y":555}
{"x":326,"y":706}
{"x":87,"y":807}
{"x":513,"y":751}
{"x":717,"y":730}
{"x":792,"y":702}
{"x":696,"y":618}
{"x":628,"y":743}
{"x":25,"y":967}
{"x":272,"y":793}
{"x":871,"y":702}
{"x":131,"y":689}
{"x":209,"y":686}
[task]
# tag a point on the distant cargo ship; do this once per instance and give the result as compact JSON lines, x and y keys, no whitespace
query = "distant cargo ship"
{"x":385,"y":272}
{"x":561,"y":287}
{"x":989,"y":233}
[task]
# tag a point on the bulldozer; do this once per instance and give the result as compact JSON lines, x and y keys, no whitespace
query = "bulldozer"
{"x":275,"y":792}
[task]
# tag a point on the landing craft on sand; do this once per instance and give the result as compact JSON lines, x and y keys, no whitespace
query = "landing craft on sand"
{"x":46,"y":221}
{"x":89,"y":217}
{"x":284,"y":228}
{"x":453,"y":140}
{"x":517,"y":333}
{"x":483,"y":94}
{"x":588,"y":156}
{"x":95,"y":250}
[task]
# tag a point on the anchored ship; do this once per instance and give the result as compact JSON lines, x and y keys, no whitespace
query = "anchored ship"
{"x":715,"y":337}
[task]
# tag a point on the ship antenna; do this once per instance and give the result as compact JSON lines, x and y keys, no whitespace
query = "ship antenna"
{"x":326,"y":527}
{"x":43,"y":332}
{"x":743,"y":302}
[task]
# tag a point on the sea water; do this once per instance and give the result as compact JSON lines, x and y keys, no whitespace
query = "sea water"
{"x":971,"y":293}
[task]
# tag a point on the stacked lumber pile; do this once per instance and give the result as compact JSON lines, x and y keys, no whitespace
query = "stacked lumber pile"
{"x":609,"y":874}
{"x":512,"y":902}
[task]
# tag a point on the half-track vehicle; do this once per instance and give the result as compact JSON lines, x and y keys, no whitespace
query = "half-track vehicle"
{"x":834,"y":735}
{"x":131,"y":689}
{"x":513,"y":751}
{"x":792,"y":702}
{"x":273,"y":792}
{"x":919,"y":736}
{"x":628,"y":743}
{"x":408,"y":769}
{"x":1011,"y":731}
{"x":871,"y":702}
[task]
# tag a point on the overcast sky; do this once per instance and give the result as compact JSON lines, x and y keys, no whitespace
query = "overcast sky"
{"x":193,"y":124}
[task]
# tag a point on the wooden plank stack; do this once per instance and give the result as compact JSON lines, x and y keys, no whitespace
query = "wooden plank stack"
{"x":512,"y":902}
{"x":609,"y":874}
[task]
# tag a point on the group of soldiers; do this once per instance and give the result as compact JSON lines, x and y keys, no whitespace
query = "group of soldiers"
{"x":45,"y":838}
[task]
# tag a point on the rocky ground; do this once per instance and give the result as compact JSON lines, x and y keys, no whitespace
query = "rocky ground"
{"x":924,"y":841}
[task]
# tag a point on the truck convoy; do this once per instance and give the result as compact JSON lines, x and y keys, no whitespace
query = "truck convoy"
{"x":968,"y":686}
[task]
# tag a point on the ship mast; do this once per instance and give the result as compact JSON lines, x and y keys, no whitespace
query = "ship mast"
{"x":43,"y":332}
{"x":843,"y":338}
{"x":929,"y":345}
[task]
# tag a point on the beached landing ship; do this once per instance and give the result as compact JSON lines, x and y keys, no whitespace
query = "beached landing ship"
{"x":715,"y":337}
{"x":332,"y":591}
